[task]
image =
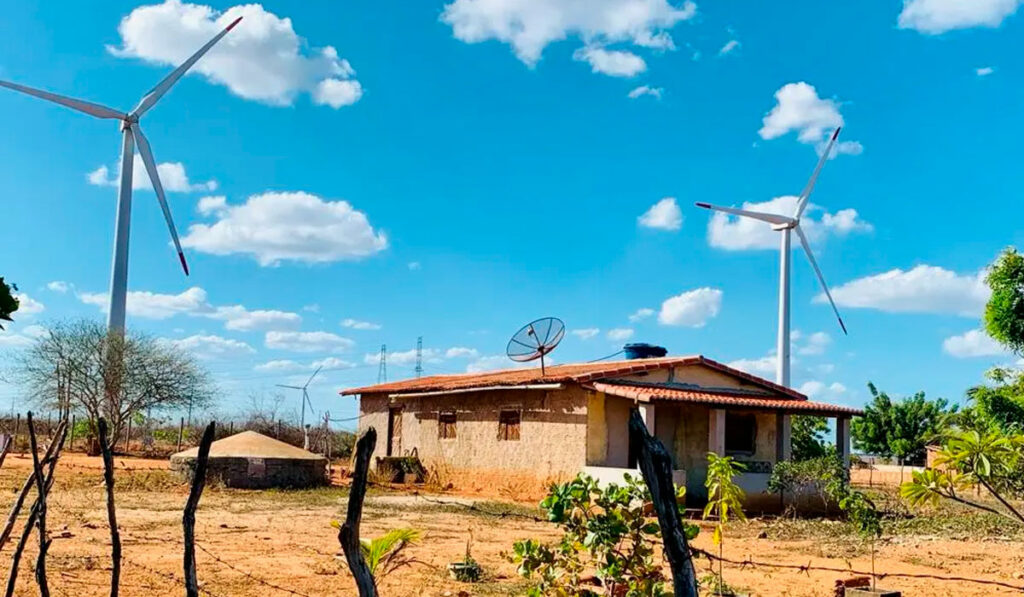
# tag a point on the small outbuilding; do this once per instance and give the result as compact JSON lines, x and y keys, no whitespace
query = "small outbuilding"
{"x":252,"y":460}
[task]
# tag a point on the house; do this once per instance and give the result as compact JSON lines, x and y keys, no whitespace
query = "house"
{"x":521,"y":425}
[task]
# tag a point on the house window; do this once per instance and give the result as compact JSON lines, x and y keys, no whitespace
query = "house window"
{"x":508,"y":425}
{"x":446,"y":424}
{"x":740,"y":434}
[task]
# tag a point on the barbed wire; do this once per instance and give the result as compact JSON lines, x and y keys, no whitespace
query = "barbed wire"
{"x":166,"y":575}
{"x":249,"y":575}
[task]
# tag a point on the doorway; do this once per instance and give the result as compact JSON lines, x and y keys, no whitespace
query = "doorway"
{"x":394,"y":446}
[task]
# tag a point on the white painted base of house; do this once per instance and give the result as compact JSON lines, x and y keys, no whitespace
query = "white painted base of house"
{"x":610,"y":474}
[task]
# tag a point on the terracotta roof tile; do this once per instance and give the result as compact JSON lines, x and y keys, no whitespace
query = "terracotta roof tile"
{"x":576,"y":372}
{"x":722,"y":397}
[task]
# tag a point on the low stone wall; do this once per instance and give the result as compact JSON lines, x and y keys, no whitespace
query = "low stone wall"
{"x":257,"y":473}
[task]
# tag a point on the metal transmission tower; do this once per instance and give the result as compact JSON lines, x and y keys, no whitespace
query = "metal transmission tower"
{"x":382,"y":370}
{"x":419,"y":356}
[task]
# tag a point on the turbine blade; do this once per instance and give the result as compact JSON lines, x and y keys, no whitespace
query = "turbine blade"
{"x":310,"y":380}
{"x":757,"y":215}
{"x":289,"y":387}
{"x":164,"y":86}
{"x":821,"y":278}
{"x":82,"y":106}
{"x":147,"y":159}
{"x":802,"y":203}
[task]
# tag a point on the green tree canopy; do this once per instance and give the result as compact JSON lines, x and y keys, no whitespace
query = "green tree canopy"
{"x":900,"y":428}
{"x":808,"y":437}
{"x":1004,"y":313}
{"x":8,"y":302}
{"x":999,"y":405}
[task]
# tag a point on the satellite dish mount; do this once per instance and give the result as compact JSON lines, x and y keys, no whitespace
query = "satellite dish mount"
{"x":535,"y":340}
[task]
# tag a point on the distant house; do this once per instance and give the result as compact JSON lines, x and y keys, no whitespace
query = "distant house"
{"x":518,"y":424}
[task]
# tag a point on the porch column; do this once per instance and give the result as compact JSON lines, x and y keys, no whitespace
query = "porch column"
{"x":716,"y":431}
{"x":783,"y":437}
{"x":843,"y":439}
{"x":647,"y":414}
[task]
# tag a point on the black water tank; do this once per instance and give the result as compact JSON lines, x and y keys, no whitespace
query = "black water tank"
{"x":642,"y":350}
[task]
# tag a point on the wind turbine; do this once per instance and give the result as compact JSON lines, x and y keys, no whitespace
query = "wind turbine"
{"x":305,"y":401}
{"x":132,"y":136}
{"x":785,"y":225}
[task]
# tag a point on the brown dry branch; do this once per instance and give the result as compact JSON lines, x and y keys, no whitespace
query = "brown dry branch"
{"x":656,"y":466}
{"x":188,"y":519}
{"x":108,"y":481}
{"x":6,"y":449}
{"x":348,"y":535}
{"x":19,"y":501}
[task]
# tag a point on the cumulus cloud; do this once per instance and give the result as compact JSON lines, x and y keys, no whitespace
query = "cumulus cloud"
{"x":938,"y":16}
{"x":799,"y":109}
{"x":500,"y":361}
{"x":692,"y":308}
{"x":815,"y":344}
{"x":614,"y":63}
{"x":730,"y":46}
{"x":296,"y":226}
{"x":640,"y":314}
{"x":290,"y":366}
{"x":973,"y":343}
{"x":405,"y":358}
{"x":238,"y":318}
{"x":764,"y":367}
{"x":528,"y":26}
{"x":585,"y":333}
{"x":461,"y":352}
{"x":355,"y":324}
{"x":307,"y":341}
{"x":817,"y":390}
{"x":211,"y":347}
{"x":28,"y":305}
{"x":620,"y":334}
{"x":262,"y":59}
{"x":736,"y":233}
{"x":923,"y":289}
{"x":984,"y":71}
{"x":655,"y":92}
{"x":663,"y":215}
{"x":59,"y":286}
{"x":172,"y":176}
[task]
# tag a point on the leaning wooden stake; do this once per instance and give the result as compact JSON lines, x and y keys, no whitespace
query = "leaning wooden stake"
{"x":188,"y":519}
{"x":6,"y":449}
{"x":44,"y":541}
{"x":115,"y":535}
{"x":656,"y":467}
{"x":19,"y":501}
{"x":348,"y":535}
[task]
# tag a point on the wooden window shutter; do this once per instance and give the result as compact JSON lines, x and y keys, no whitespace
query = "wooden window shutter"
{"x":446,"y":425}
{"x":508,"y":425}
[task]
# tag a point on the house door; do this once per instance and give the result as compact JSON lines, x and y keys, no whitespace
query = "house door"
{"x":395,"y":431}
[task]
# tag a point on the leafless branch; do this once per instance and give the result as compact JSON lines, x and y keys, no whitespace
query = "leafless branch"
{"x":115,"y":535}
{"x":348,"y":535}
{"x":188,"y":519}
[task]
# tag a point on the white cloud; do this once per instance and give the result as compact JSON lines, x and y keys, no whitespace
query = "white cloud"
{"x":938,"y":16}
{"x":331,"y":363}
{"x":262,"y":59}
{"x":238,"y":318}
{"x":663,"y":215}
{"x":655,"y":92}
{"x":765,"y":366}
{"x":59,"y":286}
{"x":735,"y":233}
{"x":9,"y":339}
{"x":730,"y":46}
{"x":280,"y":366}
{"x":984,"y":71}
{"x":614,"y":63}
{"x":461,"y":352}
{"x":692,"y":308}
{"x":307,"y":341}
{"x":491,"y":363}
{"x":641,"y":314}
{"x":172,"y":176}
{"x":28,"y":305}
{"x":924,"y":289}
{"x":815,"y":344}
{"x":585,"y":333}
{"x":620,"y":334}
{"x":355,"y":324}
{"x":208,"y":206}
{"x":404,"y":358}
{"x":973,"y":343}
{"x":297,"y":226}
{"x":415,"y":266}
{"x":799,"y":109}
{"x":530,"y":25}
{"x":816,"y":390}
{"x":209,"y":347}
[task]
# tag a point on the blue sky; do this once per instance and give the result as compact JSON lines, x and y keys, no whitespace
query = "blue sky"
{"x":345,"y":176}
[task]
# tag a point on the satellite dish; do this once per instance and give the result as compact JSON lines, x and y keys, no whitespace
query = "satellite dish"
{"x":536,"y":339}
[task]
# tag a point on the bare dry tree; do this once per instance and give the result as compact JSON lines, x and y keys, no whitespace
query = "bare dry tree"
{"x":348,"y":535}
{"x":19,"y":501}
{"x":109,"y":376}
{"x":188,"y":518}
{"x":115,"y":535}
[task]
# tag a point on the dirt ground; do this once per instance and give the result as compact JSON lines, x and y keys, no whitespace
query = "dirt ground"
{"x":250,"y":540}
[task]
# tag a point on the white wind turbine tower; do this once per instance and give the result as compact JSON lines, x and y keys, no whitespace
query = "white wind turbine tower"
{"x":131,"y":135}
{"x":785,"y":224}
{"x":305,"y":400}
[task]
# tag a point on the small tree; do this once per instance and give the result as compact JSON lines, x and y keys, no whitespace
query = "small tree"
{"x":808,"y":437}
{"x":900,"y":428}
{"x":725,"y":502}
{"x":109,"y":376}
{"x":8,"y":302}
{"x":999,"y":405}
{"x":1004,"y":312}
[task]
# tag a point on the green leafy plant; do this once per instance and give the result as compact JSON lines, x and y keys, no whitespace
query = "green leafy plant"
{"x":384,"y":554}
{"x":825,"y":475}
{"x":8,"y":302}
{"x":901,"y":428}
{"x":808,"y":437}
{"x":725,"y":501}
{"x":468,"y":569}
{"x":1004,"y":312}
{"x":607,"y":530}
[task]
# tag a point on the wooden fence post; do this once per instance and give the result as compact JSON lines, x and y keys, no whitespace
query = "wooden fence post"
{"x":17,"y":428}
{"x":44,"y":541}
{"x":188,"y":518}
{"x":181,"y":429}
{"x":50,"y":457}
{"x":348,"y":535}
{"x":72,"y":440}
{"x":128,"y":436}
{"x":656,"y":467}
{"x":115,"y":535}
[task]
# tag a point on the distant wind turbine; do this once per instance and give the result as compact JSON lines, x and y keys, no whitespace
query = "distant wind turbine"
{"x":131,"y":136}
{"x":305,"y":400}
{"x":785,"y":224}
